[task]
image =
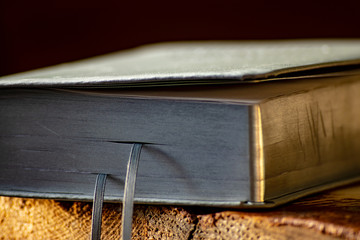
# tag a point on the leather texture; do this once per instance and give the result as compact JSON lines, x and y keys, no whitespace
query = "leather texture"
{"x":193,"y":62}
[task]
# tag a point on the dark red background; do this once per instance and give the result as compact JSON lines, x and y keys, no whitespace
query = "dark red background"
{"x":40,"y":33}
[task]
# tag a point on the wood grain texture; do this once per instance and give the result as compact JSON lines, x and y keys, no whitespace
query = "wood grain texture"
{"x":333,"y":214}
{"x":330,"y":215}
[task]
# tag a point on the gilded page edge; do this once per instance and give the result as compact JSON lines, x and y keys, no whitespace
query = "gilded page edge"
{"x":257,"y":167}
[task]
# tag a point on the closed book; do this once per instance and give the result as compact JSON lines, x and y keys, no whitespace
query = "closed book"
{"x":233,"y":124}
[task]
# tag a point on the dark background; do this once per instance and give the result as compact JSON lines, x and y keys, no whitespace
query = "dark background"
{"x":34,"y":34}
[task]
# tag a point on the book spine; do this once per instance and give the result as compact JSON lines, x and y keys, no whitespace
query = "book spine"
{"x":257,"y":168}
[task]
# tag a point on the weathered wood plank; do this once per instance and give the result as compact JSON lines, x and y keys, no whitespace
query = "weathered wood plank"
{"x":330,"y":215}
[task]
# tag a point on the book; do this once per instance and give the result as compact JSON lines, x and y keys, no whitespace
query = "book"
{"x":230,"y":124}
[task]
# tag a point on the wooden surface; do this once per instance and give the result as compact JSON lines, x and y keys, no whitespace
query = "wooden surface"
{"x":333,"y":214}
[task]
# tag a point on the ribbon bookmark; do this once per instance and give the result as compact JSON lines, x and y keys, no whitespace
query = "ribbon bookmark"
{"x":128,"y":200}
{"x":129,"y":191}
{"x":97,"y":206}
